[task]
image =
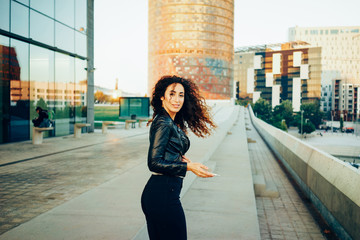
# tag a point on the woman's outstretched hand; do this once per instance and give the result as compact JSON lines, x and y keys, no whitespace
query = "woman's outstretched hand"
{"x":185,"y":159}
{"x":199,"y":169}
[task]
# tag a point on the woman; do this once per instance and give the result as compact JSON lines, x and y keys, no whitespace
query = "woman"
{"x":177,"y":106}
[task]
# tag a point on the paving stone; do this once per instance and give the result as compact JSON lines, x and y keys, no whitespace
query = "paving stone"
{"x":17,"y":220}
{"x":287,"y":216}
{"x":31,"y":188}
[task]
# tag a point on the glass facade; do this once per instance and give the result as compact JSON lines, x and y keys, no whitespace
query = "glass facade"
{"x":193,"y":39}
{"x":134,"y":105}
{"x":43,"y":57}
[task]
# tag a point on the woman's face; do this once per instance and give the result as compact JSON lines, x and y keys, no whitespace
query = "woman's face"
{"x":173,"y":99}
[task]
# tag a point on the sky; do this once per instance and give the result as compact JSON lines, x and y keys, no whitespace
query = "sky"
{"x":121,"y":31}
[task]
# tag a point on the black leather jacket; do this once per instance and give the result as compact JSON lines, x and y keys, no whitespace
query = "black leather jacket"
{"x":167,"y":145}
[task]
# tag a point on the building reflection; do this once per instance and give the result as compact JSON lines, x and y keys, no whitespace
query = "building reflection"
{"x":17,"y":88}
{"x":43,"y":54}
{"x":15,"y":97}
{"x":65,"y":101}
{"x":59,"y":95}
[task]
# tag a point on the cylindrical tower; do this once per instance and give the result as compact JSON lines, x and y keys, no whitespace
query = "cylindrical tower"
{"x":193,"y":39}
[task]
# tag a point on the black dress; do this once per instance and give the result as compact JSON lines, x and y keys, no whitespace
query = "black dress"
{"x":160,"y":200}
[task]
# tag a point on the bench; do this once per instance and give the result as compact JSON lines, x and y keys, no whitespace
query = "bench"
{"x":105,"y":125}
{"x":38,"y":134}
{"x":127,"y":123}
{"x":78,"y":127}
{"x":142,"y":120}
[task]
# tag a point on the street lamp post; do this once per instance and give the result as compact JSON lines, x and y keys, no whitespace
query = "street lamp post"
{"x":302,"y":112}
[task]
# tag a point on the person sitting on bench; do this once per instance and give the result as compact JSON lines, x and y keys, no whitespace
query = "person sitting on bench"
{"x":133,"y":117}
{"x":42,"y":121}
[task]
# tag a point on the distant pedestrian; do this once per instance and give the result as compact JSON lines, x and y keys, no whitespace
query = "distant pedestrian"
{"x":42,"y":121}
{"x":177,"y":106}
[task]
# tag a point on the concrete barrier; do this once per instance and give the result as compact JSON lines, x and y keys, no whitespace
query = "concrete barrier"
{"x":331,"y":185}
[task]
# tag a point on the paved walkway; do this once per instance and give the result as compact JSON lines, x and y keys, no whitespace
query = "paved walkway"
{"x":20,"y":151}
{"x":32,"y":187}
{"x":225,"y":207}
{"x":93,"y":191}
{"x":285,"y":217}
{"x":89,"y":188}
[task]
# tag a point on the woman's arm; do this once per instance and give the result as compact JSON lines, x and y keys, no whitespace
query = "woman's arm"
{"x":197,"y":168}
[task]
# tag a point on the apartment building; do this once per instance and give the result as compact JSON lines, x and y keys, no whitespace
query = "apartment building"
{"x":346,"y":100}
{"x":244,"y":66}
{"x":340,"y":53}
{"x":278,"y":72}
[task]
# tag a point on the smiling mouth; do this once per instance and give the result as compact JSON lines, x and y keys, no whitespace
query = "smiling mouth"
{"x":176,"y":106}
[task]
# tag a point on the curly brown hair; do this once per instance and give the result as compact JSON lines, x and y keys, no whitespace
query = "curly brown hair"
{"x":194,"y":113}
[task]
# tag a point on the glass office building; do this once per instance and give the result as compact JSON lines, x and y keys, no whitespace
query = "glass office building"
{"x":193,"y":39}
{"x":43,"y":62}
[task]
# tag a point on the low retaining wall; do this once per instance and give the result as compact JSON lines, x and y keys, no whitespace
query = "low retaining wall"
{"x":331,"y":185}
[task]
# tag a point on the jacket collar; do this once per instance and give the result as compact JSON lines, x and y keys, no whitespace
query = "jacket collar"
{"x":164,"y":112}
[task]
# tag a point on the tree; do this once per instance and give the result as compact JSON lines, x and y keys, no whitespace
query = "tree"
{"x":243,"y":102}
{"x":312,"y":112}
{"x":281,"y":125}
{"x":281,"y":112}
{"x":41,"y":103}
{"x":308,"y":127}
{"x":287,"y":111}
{"x":99,"y":96}
{"x":262,"y":108}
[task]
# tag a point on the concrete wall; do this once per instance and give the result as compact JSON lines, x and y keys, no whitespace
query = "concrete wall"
{"x":331,"y":185}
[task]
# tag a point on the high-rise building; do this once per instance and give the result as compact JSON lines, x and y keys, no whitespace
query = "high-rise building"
{"x":285,"y":75}
{"x":44,"y":60}
{"x":292,"y":72}
{"x":243,"y":66}
{"x":193,"y":39}
{"x":357,"y":103}
{"x":346,"y":100}
{"x":326,"y":97}
{"x":340,"y":52}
